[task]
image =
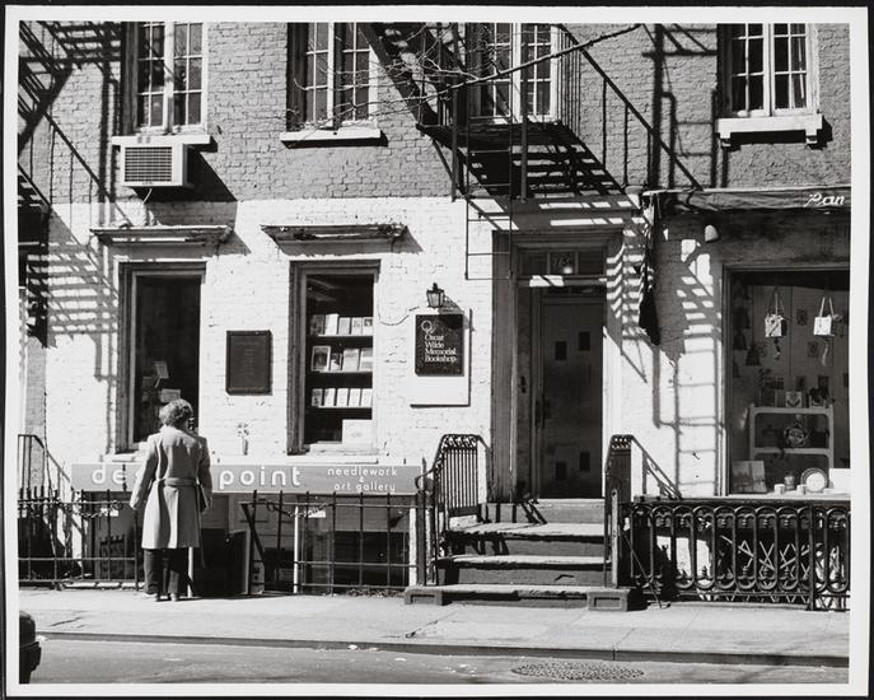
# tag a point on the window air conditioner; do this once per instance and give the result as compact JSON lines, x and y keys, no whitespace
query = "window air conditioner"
{"x":155,"y":165}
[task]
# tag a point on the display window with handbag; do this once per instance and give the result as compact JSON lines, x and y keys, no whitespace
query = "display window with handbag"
{"x":775,"y":319}
{"x":824,"y":323}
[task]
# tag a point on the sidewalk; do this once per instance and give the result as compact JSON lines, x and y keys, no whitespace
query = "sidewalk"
{"x":681,"y":632}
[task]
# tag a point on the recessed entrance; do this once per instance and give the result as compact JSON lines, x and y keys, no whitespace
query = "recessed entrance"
{"x":549,"y":379}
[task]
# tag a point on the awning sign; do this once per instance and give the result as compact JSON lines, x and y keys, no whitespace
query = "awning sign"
{"x":826,"y":200}
{"x":367,"y":479}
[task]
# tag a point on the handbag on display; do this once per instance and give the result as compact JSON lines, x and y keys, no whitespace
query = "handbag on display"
{"x":824,"y":323}
{"x":775,"y":319}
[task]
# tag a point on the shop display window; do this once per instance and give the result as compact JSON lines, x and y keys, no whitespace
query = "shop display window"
{"x":338,"y":375}
{"x":789,"y":381}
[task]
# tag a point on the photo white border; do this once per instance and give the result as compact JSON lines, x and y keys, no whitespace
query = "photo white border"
{"x":856,"y":17}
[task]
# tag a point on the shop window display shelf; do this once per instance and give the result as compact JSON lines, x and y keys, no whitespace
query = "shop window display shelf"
{"x":820,"y":418}
{"x":339,"y":391}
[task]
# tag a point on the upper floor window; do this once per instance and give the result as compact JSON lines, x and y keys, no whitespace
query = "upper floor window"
{"x":494,"y":49}
{"x":331,"y":80}
{"x":768,"y":69}
{"x":168,"y":75}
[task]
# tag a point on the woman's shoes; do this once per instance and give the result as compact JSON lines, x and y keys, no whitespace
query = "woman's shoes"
{"x":174,"y":597}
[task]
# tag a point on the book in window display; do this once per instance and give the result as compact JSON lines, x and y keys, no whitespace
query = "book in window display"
{"x":335,"y":363}
{"x":355,"y":397}
{"x":344,"y":325}
{"x":366,"y":397}
{"x":367,"y":325}
{"x":317,"y":324}
{"x":351,"y":358}
{"x":357,"y":326}
{"x":330,"y":397}
{"x":317,"y":397}
{"x":342,"y":399}
{"x":331,"y":323}
{"x":365,"y":360}
{"x":321,"y":357}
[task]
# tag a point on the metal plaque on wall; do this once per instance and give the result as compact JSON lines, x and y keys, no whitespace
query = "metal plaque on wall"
{"x":248,"y":362}
{"x":440,"y":345}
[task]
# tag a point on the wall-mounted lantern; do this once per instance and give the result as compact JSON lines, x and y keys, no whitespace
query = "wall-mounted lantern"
{"x":436,"y":297}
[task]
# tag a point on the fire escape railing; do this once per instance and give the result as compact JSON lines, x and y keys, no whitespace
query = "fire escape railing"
{"x":573,"y":116}
{"x":574,"y":70}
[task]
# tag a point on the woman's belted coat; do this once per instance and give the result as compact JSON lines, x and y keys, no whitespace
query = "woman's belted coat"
{"x":167,"y":481}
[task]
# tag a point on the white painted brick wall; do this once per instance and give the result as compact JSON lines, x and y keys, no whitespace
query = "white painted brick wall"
{"x":246,"y":286}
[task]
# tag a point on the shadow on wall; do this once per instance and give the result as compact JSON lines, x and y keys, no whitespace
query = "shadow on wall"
{"x":51,"y":53}
{"x":206,"y":185}
{"x":685,"y":403}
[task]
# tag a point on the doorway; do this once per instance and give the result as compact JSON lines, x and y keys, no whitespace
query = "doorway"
{"x":164,"y":346}
{"x":567,"y":411}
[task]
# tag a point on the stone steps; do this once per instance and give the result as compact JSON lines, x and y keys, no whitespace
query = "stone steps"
{"x":559,"y":510}
{"x":593,"y":597}
{"x":522,"y":569}
{"x":570,"y":539}
{"x":545,"y":552}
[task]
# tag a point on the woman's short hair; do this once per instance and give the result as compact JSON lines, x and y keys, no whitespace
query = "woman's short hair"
{"x":176,"y":413}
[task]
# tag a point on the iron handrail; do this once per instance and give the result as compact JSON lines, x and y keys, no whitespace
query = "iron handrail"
{"x":448,"y":488}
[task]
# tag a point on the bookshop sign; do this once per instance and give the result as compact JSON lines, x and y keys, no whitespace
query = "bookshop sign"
{"x":440,"y":345}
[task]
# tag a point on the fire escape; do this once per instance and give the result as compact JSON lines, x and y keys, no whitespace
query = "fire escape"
{"x":521,"y":126}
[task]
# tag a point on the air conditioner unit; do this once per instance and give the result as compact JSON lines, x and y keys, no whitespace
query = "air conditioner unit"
{"x":155,"y":165}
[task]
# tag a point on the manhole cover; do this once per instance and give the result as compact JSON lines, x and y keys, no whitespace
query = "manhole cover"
{"x":579,"y":671}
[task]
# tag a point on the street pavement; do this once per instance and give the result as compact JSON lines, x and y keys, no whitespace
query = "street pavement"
{"x":696,"y":633}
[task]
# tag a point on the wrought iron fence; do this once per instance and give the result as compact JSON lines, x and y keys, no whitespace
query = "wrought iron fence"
{"x":780,"y":551}
{"x":310,"y":543}
{"x":63,"y":540}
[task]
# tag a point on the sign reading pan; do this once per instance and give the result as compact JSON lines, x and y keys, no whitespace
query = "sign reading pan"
{"x":440,"y":345}
{"x":248,"y":362}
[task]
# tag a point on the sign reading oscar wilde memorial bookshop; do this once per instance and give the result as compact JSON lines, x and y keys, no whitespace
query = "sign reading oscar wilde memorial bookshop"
{"x":440,"y":345}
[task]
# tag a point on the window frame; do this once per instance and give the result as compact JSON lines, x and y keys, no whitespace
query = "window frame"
{"x":168,"y":125}
{"x":473,"y":32}
{"x":129,"y":273}
{"x":298,"y":88}
{"x":298,"y":361}
{"x":768,"y":108}
{"x":743,"y":123}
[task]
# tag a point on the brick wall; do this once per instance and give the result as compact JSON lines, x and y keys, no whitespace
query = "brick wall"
{"x":246,"y":103}
{"x":670,"y":74}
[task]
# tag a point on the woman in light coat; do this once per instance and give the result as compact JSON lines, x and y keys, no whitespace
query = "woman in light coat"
{"x":176,"y":460}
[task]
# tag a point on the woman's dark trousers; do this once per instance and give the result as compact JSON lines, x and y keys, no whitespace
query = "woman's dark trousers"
{"x":169,"y":580}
